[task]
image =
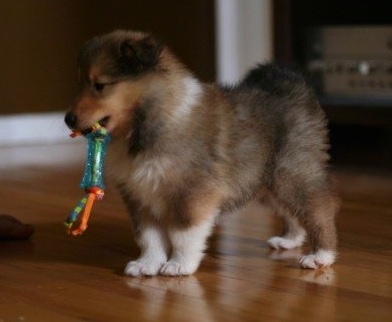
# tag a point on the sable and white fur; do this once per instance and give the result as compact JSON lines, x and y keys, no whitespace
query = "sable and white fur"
{"x":184,"y":152}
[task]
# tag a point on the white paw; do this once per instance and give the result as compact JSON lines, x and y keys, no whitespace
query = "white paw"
{"x":178,"y":268}
{"x":286,"y":243}
{"x":142,"y":268}
{"x":320,"y":259}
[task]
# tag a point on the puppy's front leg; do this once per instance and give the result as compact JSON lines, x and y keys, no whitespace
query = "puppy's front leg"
{"x":188,"y":245}
{"x":154,"y":247}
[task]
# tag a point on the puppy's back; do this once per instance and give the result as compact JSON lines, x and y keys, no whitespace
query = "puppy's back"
{"x":293,"y":121}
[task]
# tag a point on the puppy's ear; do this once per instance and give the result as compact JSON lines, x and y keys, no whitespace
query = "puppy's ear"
{"x":145,"y":51}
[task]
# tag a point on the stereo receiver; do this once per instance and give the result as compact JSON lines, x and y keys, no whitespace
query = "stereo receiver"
{"x":351,"y":64}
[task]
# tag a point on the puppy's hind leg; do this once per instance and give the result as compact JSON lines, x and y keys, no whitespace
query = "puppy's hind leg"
{"x":312,"y":207}
{"x":293,"y":234}
{"x":320,"y":225}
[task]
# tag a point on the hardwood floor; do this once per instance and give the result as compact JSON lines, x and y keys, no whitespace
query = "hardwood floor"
{"x":55,"y":277}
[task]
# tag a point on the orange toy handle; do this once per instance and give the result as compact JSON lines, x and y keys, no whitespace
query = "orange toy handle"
{"x":85,"y":216}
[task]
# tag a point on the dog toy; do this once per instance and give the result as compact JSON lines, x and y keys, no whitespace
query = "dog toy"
{"x":92,"y":182}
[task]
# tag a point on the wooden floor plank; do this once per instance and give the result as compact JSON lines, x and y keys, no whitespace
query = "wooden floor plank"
{"x":55,"y":277}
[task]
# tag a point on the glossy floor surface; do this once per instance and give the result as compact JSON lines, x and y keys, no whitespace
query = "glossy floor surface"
{"x":54,"y":277}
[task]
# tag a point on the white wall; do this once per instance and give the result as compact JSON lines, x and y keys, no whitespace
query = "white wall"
{"x":244,"y":36}
{"x":27,"y":129}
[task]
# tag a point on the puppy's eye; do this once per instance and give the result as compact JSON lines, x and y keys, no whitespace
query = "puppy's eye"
{"x":98,"y":87}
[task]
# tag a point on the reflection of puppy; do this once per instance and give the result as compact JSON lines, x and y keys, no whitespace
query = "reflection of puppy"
{"x":184,"y":152}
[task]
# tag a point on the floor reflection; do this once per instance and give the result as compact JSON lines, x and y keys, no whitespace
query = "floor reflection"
{"x":174,"y":298}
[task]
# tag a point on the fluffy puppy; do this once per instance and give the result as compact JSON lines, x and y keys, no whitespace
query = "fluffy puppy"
{"x":184,"y":152}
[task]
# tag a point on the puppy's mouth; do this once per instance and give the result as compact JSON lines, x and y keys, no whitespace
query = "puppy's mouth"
{"x":102,"y":122}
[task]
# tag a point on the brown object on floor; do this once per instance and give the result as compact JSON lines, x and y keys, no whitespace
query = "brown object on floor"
{"x":13,"y":229}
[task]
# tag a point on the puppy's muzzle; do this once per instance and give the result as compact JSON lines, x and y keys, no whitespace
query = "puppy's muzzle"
{"x":71,"y":120}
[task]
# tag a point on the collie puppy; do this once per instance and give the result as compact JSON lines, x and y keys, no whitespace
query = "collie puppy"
{"x":184,"y":152}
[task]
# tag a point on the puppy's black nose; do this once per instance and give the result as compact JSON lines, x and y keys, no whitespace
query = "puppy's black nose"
{"x":71,"y":120}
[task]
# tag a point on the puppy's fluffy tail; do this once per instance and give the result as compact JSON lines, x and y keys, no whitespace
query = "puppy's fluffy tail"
{"x":273,"y":79}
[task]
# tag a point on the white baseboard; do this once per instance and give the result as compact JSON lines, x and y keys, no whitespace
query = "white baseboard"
{"x":30,"y":129}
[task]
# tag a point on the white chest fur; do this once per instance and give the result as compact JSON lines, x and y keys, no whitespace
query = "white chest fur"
{"x":143,"y":177}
